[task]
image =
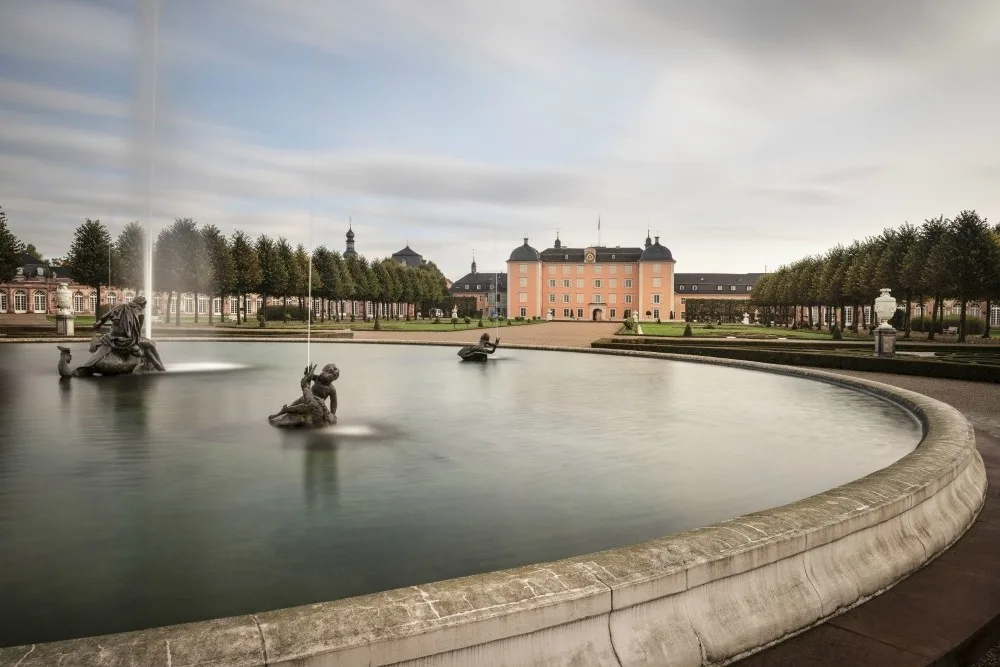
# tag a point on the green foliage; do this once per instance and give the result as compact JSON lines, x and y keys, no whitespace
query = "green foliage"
{"x":687,"y":331}
{"x":129,"y":254}
{"x":454,"y":321}
{"x":480,"y":325}
{"x":10,"y":250}
{"x":30,"y":249}
{"x":835,"y":333}
{"x":273,"y":272}
{"x":272,"y":313}
{"x":88,"y":256}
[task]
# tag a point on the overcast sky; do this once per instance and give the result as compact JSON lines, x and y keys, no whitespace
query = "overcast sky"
{"x":745,"y":133}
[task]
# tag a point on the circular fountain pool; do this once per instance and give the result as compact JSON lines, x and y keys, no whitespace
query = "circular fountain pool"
{"x":140,"y":501}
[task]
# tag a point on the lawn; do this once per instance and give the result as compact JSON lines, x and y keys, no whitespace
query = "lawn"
{"x":738,"y":330}
{"x":386,"y":325}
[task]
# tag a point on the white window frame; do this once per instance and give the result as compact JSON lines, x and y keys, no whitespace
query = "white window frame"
{"x":20,"y":301}
{"x":78,"y":302}
{"x":522,"y":297}
{"x":38,"y":302}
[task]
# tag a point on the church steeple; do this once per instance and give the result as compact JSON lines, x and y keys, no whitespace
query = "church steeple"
{"x":350,"y":251}
{"x":558,"y":244}
{"x":649,"y":241}
{"x":474,"y":262}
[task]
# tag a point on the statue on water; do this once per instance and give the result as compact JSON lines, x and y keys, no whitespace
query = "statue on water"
{"x":121,"y":350}
{"x":310,"y":410}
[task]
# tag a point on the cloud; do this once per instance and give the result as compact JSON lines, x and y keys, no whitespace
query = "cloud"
{"x":747,"y":133}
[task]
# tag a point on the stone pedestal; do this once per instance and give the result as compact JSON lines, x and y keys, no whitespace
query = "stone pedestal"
{"x":64,"y":325}
{"x":885,"y":342}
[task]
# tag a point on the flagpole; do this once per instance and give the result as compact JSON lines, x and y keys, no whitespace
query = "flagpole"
{"x":598,"y":231}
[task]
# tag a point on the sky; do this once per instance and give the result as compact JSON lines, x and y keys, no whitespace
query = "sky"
{"x":745,"y":134}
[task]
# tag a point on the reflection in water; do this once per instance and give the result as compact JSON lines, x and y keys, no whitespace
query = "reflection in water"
{"x":137,"y":501}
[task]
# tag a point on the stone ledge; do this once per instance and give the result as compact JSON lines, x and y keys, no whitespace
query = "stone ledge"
{"x":706,"y":596}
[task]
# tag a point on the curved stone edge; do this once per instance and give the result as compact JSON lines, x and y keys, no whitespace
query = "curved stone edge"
{"x":706,"y":596}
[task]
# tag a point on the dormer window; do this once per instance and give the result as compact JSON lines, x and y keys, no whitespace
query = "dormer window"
{"x":478,"y":286}
{"x":694,"y":288}
{"x":748,"y":287}
{"x":20,"y":270}
{"x":612,"y":257}
{"x":680,"y":287}
{"x":732,"y":288}
{"x":720,"y":288}
{"x":466,"y":288}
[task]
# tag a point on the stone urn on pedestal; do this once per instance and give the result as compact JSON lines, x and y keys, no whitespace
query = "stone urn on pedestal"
{"x":64,"y":312}
{"x":885,"y":335}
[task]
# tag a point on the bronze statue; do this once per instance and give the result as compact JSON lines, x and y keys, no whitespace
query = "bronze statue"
{"x":479,"y":351}
{"x":119,"y":351}
{"x":310,"y":410}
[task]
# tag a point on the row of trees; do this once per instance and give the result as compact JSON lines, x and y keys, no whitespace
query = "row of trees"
{"x":201,"y":260}
{"x":957,"y":258}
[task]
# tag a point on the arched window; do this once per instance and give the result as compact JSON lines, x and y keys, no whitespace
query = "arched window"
{"x":217,"y":306}
{"x":78,"y":302}
{"x":202,"y":304}
{"x":93,"y":302}
{"x":234,"y":304}
{"x":20,"y":301}
{"x":128,"y":297}
{"x":3,"y":301}
{"x":112,"y":299}
{"x":38,"y":303}
{"x":157,"y":304}
{"x":173,"y":304}
{"x":187,"y":304}
{"x":260,"y":304}
{"x":994,"y":315}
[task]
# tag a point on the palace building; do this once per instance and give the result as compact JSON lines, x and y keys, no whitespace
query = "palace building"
{"x":488,"y":289}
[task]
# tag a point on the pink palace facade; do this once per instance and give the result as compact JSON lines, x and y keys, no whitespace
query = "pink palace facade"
{"x":592,"y":283}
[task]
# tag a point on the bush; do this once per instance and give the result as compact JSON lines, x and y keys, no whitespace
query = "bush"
{"x":468,"y":320}
{"x":261,"y":320}
{"x":508,"y":321}
{"x":709,"y":326}
{"x":454,"y":322}
{"x":480,"y":325}
{"x":352,"y":317}
{"x":687,"y":330}
{"x":437,"y":320}
{"x":974,"y":326}
{"x":836,"y":333}
{"x":278,"y":312}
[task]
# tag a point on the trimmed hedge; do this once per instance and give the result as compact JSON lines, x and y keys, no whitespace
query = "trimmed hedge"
{"x":900,"y":365}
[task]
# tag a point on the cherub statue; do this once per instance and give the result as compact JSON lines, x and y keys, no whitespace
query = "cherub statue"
{"x":479,"y":351}
{"x":310,"y":410}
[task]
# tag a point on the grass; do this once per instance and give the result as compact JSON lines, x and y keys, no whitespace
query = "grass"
{"x":360,"y":325}
{"x":738,"y":330}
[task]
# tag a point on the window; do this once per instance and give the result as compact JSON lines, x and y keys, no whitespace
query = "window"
{"x":524,"y":312}
{"x":93,"y":302}
{"x":597,"y":268}
{"x":552,"y":298}
{"x":3,"y":301}
{"x":995,"y":316}
{"x":749,"y":287}
{"x":523,"y":297}
{"x":552,"y":269}
{"x":597,"y":299}
{"x":597,"y":283}
{"x":565,"y":269}
{"x":39,"y":302}
{"x":552,"y":282}
{"x":656,"y":298}
{"x":20,"y":301}
{"x":612,"y":269}
{"x":628,"y":283}
{"x":612,"y":298}
{"x":680,"y":288}
{"x":579,"y":298}
{"x":567,"y":312}
{"x":628,"y":298}
{"x":127,"y":298}
{"x":656,"y":313}
{"x":579,"y":268}
{"x":522,"y":282}
{"x":566,"y":298}
{"x":868,"y":315}
{"x":202,"y":305}
{"x":579,"y":282}
{"x":612,"y":283}
{"x":732,"y":288}
{"x":720,"y":288}
{"x":187,"y":303}
{"x":112,"y":299}
{"x":234,"y":304}
{"x":478,"y":287}
{"x":523,"y":268}
{"x":972,"y":310}
{"x":217,"y":305}
{"x":628,"y":269}
{"x":173,"y":305}
{"x":613,"y":314}
{"x":657,"y":282}
{"x":77,"y":303}
{"x":627,"y":314}
{"x":579,"y":313}
{"x":656,"y":268}
{"x":694,"y":288}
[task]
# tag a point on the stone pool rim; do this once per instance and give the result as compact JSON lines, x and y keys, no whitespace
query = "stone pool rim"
{"x":709,"y":595}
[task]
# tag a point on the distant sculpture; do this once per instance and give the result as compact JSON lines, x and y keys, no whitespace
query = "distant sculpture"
{"x":479,"y":351}
{"x":310,"y":410}
{"x":119,"y":351}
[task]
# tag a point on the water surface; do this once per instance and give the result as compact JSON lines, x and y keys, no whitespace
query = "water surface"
{"x":140,"y":501}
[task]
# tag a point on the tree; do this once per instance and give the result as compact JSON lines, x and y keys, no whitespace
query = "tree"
{"x":222,"y":268}
{"x":90,"y":255}
{"x":993,"y":280}
{"x":295,"y":278}
{"x":273,"y":274}
{"x":301,"y":281}
{"x":30,"y":249}
{"x":247,"y":275}
{"x":131,"y":256}
{"x":973,"y":254}
{"x":192,"y":261}
{"x":10,"y":251}
{"x":939,"y":250}
{"x":326,"y":271}
{"x":361,"y":280}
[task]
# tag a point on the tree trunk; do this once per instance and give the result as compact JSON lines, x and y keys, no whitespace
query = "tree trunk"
{"x":97,"y":309}
{"x":196,"y":304}
{"x":211,"y":305}
{"x":933,"y":324}
{"x":906,"y":325}
{"x":961,"y":321}
{"x":986,"y":318}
